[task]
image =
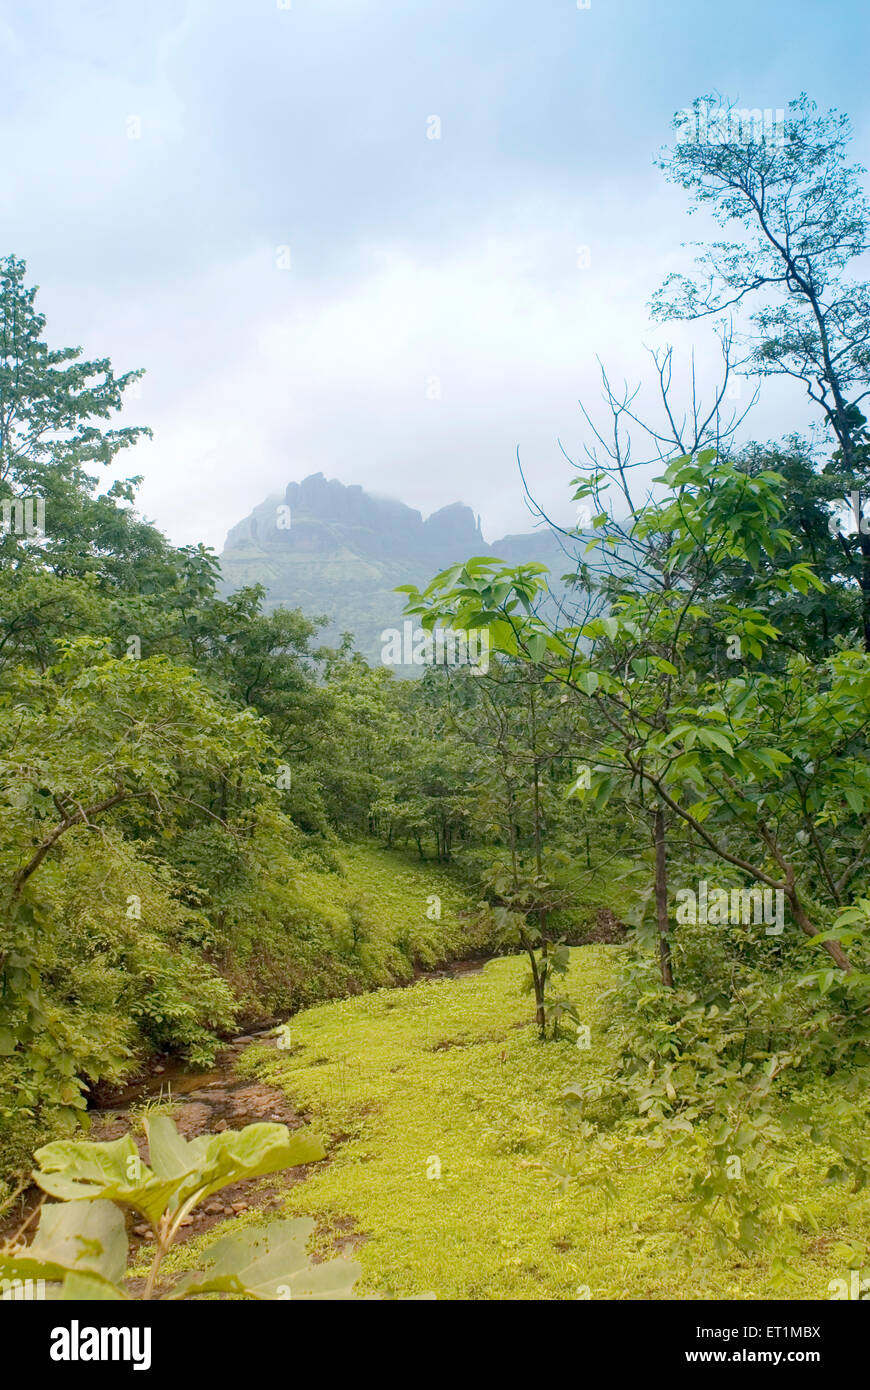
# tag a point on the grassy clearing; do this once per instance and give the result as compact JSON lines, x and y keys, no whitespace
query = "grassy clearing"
{"x":451,"y":1073}
{"x":364,"y":922}
{"x":383,"y":905}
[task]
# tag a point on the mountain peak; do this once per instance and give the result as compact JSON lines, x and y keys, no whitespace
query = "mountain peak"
{"x":331,"y":547}
{"x":454,"y":525}
{"x":313,"y":508}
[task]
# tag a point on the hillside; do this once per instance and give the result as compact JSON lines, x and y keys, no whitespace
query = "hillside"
{"x":447,"y":1136}
{"x":338,"y":551}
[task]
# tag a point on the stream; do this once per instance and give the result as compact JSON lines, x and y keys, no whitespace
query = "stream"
{"x":206,"y":1102}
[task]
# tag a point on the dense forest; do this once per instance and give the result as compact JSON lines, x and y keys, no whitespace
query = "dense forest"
{"x":653,"y":794}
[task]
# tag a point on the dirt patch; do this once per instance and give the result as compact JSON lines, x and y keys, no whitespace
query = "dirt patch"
{"x":208,"y":1104}
{"x":607,"y":930}
{"x":201,"y":1103}
{"x":345,"y":1239}
{"x":452,"y":970}
{"x":444,"y":1043}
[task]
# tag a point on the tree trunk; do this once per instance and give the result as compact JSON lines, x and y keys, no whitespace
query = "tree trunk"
{"x":662,"y":918}
{"x":833,"y":948}
{"x":864,"y":582}
{"x":540,"y":1016}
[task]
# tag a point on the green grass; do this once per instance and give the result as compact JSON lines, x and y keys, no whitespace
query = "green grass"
{"x":452,"y":1071}
{"x":366,"y":923}
{"x":391,"y":890}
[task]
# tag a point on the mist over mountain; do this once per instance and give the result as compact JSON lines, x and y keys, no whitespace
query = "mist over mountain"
{"x":337,"y":550}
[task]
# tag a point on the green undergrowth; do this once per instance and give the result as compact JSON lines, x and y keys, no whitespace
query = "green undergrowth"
{"x":347,"y":919}
{"x":449,"y":1076}
{"x":368,"y":920}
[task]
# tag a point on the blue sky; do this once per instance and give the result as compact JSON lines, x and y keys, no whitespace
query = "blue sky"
{"x":313,"y":284}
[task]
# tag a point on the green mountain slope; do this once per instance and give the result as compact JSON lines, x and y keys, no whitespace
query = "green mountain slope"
{"x":340,"y":552}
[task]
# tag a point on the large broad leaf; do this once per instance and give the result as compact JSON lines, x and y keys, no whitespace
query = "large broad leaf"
{"x":270,"y":1262}
{"x":73,"y":1238}
{"x":206,"y":1164}
{"x":79,"y":1170}
{"x":86,"y":1288}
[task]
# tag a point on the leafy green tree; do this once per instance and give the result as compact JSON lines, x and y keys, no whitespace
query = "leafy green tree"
{"x":700,"y":746}
{"x":96,"y":755}
{"x":804,"y":216}
{"x":819,"y":621}
{"x":51,"y":403}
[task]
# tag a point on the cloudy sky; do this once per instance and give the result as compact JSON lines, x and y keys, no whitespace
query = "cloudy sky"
{"x":243,"y":196}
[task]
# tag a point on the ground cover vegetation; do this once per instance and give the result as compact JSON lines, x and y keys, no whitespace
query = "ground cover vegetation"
{"x":209,"y":818}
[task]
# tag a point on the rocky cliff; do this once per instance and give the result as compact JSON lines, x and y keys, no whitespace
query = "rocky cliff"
{"x":339,"y":551}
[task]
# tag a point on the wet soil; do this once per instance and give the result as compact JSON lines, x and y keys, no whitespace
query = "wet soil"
{"x":201,"y":1103}
{"x":206,"y":1102}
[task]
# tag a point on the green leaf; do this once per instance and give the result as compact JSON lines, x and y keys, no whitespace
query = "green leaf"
{"x":587,"y":681}
{"x":171,"y":1155}
{"x":73,"y":1237}
{"x":713,"y":739}
{"x":661,"y":664}
{"x":220,"y":1159}
{"x":79,"y":1170}
{"x":87,"y":1288}
{"x":270,"y":1262}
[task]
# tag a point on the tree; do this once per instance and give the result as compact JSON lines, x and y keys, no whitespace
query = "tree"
{"x":806,"y":220}
{"x":50,"y":401}
{"x":521,"y":735}
{"x":99,"y":757}
{"x":764,"y":755}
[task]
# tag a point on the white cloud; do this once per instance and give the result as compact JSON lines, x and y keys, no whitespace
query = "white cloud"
{"x":300,"y":377}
